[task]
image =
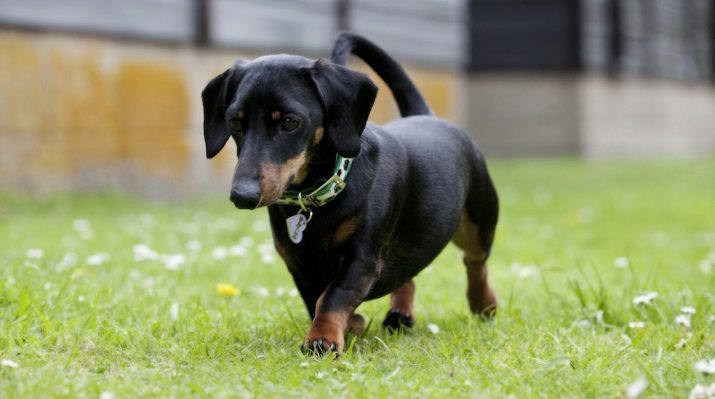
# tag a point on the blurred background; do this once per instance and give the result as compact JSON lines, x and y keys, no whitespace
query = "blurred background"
{"x":105,"y":94}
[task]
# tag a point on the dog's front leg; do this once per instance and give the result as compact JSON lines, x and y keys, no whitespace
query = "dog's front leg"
{"x":336,"y":305}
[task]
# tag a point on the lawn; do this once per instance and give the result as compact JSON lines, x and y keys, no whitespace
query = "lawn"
{"x":604,"y":272}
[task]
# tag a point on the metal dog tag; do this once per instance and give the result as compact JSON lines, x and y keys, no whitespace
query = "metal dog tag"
{"x":296,"y":224}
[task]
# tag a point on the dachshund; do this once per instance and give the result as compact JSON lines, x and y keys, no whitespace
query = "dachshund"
{"x":356,"y":209}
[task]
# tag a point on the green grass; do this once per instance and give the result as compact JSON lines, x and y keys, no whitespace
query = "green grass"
{"x":78,"y":330}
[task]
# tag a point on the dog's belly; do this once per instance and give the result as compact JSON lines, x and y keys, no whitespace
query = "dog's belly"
{"x":400,"y":269}
{"x":408,"y":253}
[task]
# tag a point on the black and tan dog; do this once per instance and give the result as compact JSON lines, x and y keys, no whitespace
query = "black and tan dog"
{"x":356,"y":209}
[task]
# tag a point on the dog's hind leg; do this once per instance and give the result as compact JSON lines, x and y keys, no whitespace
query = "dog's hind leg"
{"x":400,"y":313}
{"x":475,"y":235}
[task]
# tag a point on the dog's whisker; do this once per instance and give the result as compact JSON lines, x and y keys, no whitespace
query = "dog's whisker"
{"x":260,"y":201}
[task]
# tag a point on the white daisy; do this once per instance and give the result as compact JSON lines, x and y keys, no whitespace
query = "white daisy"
{"x":173,"y":262}
{"x":433,"y":328}
{"x":266,"y":248}
{"x":193,"y":245}
{"x":705,"y":366}
{"x":143,"y":252}
{"x":687,"y":310}
{"x":706,"y":266}
{"x":268,"y":258}
{"x":219,"y":253}
{"x":238,"y":250}
{"x":702,"y":392}
{"x":68,"y":260}
{"x":246,"y":241}
{"x":35,"y":253}
{"x":621,"y":262}
{"x":626,"y":339}
{"x":97,"y":259}
{"x":645,"y":299}
{"x":636,"y":324}
{"x":84,"y":228}
{"x":260,"y":226}
{"x":683,"y":320}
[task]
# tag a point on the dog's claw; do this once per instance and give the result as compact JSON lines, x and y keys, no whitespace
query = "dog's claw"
{"x":319,"y":347}
{"x":395,"y":320}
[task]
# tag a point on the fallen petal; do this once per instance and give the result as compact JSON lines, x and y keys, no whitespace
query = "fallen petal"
{"x":174,"y":311}
{"x":636,"y":388}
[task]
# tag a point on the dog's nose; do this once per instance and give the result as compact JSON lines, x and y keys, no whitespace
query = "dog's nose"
{"x":245,"y":195}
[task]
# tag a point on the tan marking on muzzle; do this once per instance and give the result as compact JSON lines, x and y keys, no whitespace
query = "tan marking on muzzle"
{"x":274,"y":178}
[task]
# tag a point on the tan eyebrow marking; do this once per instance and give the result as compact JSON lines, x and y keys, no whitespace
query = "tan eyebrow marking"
{"x":318,"y":136}
{"x":241,"y":114}
{"x":275,"y":115}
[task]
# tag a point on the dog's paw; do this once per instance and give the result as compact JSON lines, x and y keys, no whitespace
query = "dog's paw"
{"x":395,"y":320}
{"x":320,"y":347}
{"x":483,"y":303}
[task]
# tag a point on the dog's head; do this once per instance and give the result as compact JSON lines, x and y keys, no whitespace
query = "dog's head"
{"x":277,"y":108}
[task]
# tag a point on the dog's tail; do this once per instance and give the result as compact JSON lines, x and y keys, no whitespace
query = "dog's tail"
{"x":408,"y":98}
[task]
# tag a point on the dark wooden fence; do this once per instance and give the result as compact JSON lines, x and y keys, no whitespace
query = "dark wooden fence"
{"x":663,"y":38}
{"x":425,"y":31}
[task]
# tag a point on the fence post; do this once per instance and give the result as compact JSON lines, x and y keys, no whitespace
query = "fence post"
{"x":201,"y":22}
{"x":342,"y":14}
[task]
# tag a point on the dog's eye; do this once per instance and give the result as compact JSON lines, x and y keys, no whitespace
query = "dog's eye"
{"x":289,"y":124}
{"x":234,"y":125}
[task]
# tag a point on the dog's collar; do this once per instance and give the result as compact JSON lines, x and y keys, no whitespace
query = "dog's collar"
{"x":323,"y":193}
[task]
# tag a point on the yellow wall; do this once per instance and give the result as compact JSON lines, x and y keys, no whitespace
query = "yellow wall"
{"x":84,"y":113}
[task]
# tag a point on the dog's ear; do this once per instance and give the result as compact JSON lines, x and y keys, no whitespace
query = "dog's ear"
{"x":347,"y":97}
{"x":216,"y":97}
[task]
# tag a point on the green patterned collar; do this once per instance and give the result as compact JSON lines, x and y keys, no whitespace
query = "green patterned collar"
{"x":324,"y":193}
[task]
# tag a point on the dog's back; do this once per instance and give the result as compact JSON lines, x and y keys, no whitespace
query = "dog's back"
{"x":450,"y":194}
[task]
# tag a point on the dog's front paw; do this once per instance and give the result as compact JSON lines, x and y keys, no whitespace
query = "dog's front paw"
{"x":396,"y":320}
{"x":320,"y":347}
{"x":326,"y":334}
